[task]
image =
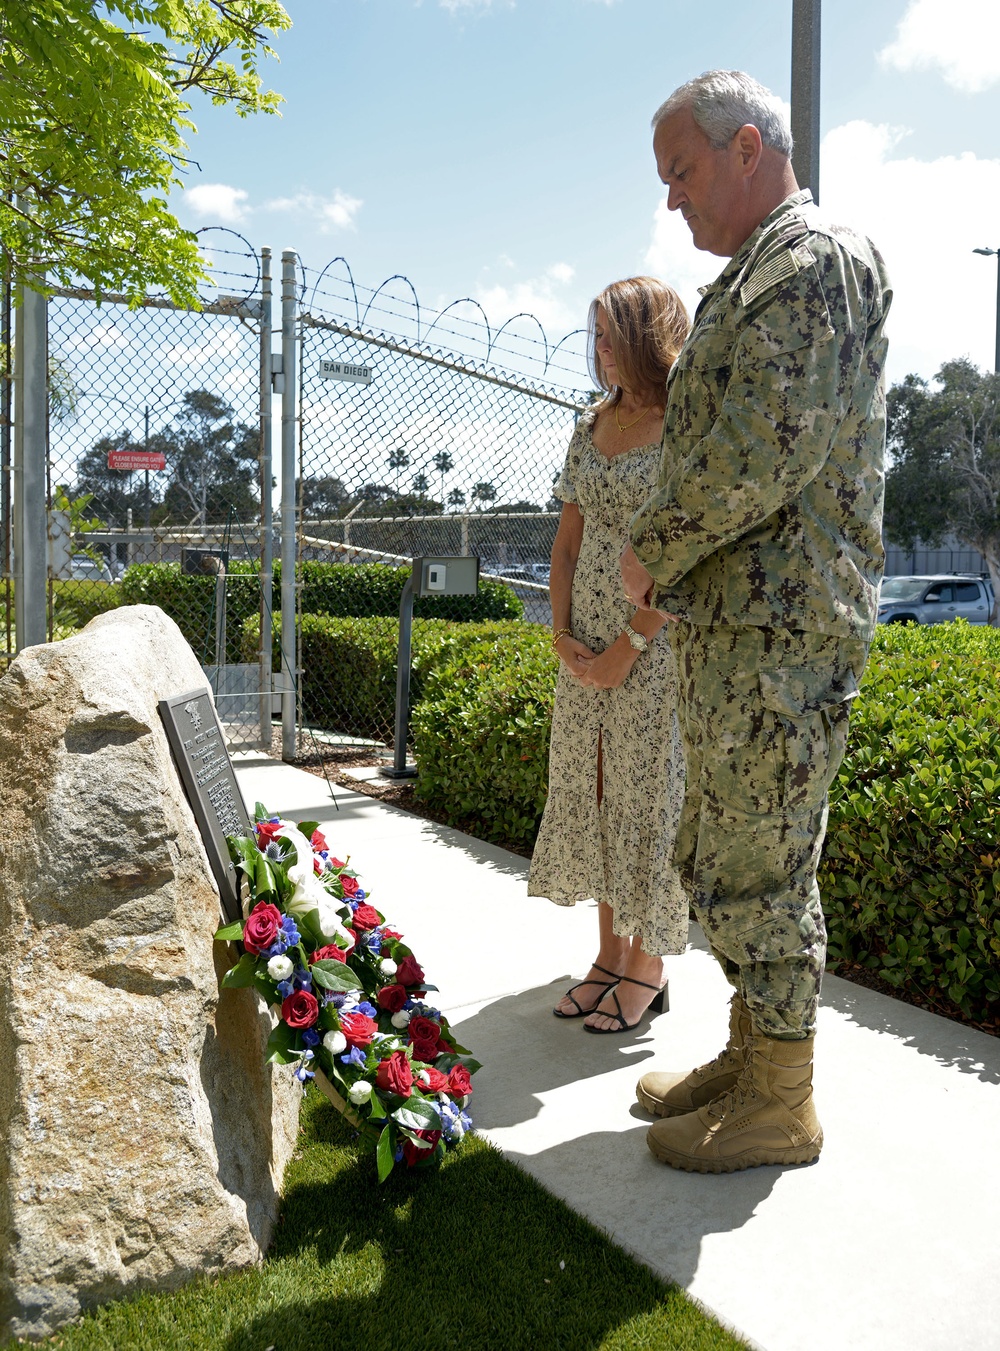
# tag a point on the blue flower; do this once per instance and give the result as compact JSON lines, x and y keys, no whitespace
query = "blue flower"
{"x":355,"y":1056}
{"x":369,"y":1010}
{"x":398,"y":1154}
{"x":337,"y":1000}
{"x":302,"y":979}
{"x":303,"y":1075}
{"x":272,"y":850}
{"x":291,"y":932}
{"x":285,"y":988}
{"x":311,"y":1037}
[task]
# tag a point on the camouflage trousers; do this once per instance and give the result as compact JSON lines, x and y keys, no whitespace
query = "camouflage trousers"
{"x":763,"y":717}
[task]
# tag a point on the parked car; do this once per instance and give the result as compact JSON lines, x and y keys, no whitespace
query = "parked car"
{"x":83,"y":568}
{"x":935,"y":599}
{"x":521,"y":575}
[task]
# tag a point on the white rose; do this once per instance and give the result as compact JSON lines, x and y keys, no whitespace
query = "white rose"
{"x":280,"y":968}
{"x":387,"y":966}
{"x":335,"y":1042}
{"x":360,"y":1092}
{"x":400,"y":1019}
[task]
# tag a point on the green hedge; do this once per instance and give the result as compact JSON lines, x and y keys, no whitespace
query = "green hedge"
{"x":481,"y":735}
{"x":76,"y":602}
{"x":358,"y":589}
{"x":341,"y":589}
{"x":349,"y":665}
{"x":189,"y":600}
{"x":910,"y":871}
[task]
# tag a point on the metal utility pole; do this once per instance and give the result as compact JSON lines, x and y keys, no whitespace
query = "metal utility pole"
{"x":30,"y":453}
{"x":805,"y":93}
{"x":990,"y":253}
{"x":266,"y":505}
{"x":289,"y":647}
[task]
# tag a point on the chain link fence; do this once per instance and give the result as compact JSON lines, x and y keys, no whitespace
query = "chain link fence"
{"x":418,"y":436}
{"x":154,"y":469}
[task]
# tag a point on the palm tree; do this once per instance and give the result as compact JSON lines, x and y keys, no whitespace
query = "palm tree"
{"x":484,"y":492}
{"x":420,"y":484}
{"x":456,"y":498}
{"x":398,"y":459}
{"x":443,"y":463}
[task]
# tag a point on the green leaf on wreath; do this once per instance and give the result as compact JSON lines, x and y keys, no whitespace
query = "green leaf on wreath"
{"x":384,"y":1153}
{"x":240,"y":976}
{"x":418,"y":1114}
{"x":260,"y":812}
{"x":378,"y":1108}
{"x":266,"y":988}
{"x":280,"y":1049}
{"x":263,"y":877}
{"x":333,"y":975}
{"x":230,"y":932}
{"x":308,"y":926}
{"x":307,"y":828}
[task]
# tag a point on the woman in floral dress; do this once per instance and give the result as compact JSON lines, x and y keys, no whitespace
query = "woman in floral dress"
{"x":616,"y":769}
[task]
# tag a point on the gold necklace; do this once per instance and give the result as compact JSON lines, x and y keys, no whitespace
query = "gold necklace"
{"x":629,"y":424}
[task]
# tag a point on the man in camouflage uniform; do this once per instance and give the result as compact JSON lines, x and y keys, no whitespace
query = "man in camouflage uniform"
{"x":763,"y":542}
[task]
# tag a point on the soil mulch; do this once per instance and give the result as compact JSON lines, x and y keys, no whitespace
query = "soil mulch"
{"x":333,"y":761}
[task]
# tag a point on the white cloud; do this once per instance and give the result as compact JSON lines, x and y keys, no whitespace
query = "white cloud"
{"x":332,"y":213}
{"x":961,"y":38}
{"x":926,"y":217}
{"x":217,"y":200}
{"x":540,"y":296}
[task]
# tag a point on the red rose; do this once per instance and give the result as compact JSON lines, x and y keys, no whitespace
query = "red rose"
{"x":425,"y":1050}
{"x":300,"y":1009}
{"x":366,"y":917}
{"x":410,"y":972}
{"x":261,"y":928}
{"x":338,"y":863}
{"x":424,"y":1029}
{"x":414,"y":1154}
{"x":436,"y":1081}
{"x":459,"y":1082}
{"x":350,"y":884}
{"x":318,"y":841}
{"x":392,"y":998}
{"x":358,"y":1028}
{"x":394,"y":1075}
{"x":330,"y":953}
{"x":266,"y":832}
{"x":390,"y":933}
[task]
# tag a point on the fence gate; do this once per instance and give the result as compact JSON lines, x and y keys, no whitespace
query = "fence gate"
{"x":416,"y":438}
{"x":158,"y":444}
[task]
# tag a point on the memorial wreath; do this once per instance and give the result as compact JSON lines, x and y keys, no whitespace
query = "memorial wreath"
{"x":353,"y":1013}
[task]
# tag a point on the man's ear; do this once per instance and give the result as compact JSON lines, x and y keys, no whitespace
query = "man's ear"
{"x":747,"y":147}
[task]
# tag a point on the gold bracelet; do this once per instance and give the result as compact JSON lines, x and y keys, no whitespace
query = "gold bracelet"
{"x":560,"y":633}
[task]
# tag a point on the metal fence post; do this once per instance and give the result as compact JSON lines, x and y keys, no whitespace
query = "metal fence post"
{"x":289,"y":397}
{"x":30,"y":453}
{"x":266,"y":504}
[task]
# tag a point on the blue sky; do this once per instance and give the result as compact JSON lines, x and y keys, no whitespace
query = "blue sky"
{"x":502,"y":150}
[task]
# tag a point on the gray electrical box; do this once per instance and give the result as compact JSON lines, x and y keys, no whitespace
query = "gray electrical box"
{"x":446,"y":576}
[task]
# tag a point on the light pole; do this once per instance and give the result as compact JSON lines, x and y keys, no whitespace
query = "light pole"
{"x":991,"y":253}
{"x":805,"y":92}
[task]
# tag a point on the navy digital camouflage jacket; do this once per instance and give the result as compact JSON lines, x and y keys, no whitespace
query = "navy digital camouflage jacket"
{"x":769,"y":505}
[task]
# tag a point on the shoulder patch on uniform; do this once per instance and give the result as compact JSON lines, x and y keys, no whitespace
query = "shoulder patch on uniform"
{"x":775,"y":270}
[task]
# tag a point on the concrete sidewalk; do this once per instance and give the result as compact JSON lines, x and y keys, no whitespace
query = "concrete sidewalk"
{"x":890,"y":1242}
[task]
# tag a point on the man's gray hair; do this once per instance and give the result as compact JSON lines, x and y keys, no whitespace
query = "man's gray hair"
{"x":722,"y":101}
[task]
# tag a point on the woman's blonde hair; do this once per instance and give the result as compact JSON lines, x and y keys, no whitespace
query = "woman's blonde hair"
{"x":646,"y":324}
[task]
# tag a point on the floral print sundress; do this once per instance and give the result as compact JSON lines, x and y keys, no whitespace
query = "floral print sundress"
{"x":621,"y":851}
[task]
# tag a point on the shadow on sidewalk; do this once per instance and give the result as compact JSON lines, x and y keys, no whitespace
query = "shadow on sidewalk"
{"x":963,"y":1048}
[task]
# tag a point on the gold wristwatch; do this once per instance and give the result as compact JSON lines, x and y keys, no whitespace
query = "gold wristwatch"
{"x":637,"y":640}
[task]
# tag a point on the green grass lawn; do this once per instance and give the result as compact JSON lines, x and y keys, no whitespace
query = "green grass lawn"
{"x":475,"y":1256}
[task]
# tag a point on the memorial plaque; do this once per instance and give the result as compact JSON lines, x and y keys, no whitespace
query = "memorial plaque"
{"x":199,"y":749}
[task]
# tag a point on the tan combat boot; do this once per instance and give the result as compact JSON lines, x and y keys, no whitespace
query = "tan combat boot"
{"x":672,"y":1094}
{"x":767,"y":1117}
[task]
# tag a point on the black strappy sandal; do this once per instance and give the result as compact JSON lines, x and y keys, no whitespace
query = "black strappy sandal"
{"x":660,"y":1003}
{"x":605,"y":988}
